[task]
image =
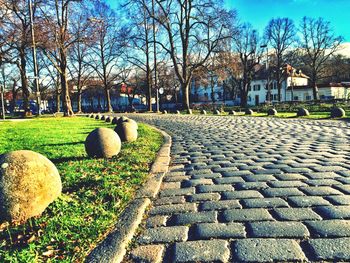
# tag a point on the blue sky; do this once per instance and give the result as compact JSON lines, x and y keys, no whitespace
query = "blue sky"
{"x":259,"y":12}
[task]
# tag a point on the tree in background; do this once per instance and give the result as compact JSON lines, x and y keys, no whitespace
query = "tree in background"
{"x":280,"y":34}
{"x":247,"y":44}
{"x":318,"y":44}
{"x":193,"y":30}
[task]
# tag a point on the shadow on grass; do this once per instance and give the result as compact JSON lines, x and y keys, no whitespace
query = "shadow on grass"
{"x":68,"y":159}
{"x":63,"y":144}
{"x":86,"y":184}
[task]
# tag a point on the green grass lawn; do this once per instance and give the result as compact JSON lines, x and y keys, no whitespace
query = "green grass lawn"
{"x":95,"y":191}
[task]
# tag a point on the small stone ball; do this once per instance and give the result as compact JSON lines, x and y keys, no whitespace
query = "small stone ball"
{"x":98,"y":117}
{"x":29,"y":182}
{"x":303,"y":112}
{"x":102,"y":143}
{"x":127,"y":131}
{"x":165,"y":112}
{"x":204,"y":112}
{"x":217,"y":112}
{"x":103,"y":117}
{"x":115,"y":120}
{"x":232,"y":112}
{"x":337,"y":112}
{"x":249,"y":112}
{"x":178,"y":112}
{"x":272,"y":112}
{"x":92,"y":116}
{"x":189,"y":111}
{"x":108,"y":119}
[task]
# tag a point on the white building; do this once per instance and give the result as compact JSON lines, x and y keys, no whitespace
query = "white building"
{"x":258,"y":92}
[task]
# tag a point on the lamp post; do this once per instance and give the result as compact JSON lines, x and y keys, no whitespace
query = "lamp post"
{"x":35,"y":65}
{"x":268,"y":73}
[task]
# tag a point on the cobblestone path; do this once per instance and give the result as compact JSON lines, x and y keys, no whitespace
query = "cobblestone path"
{"x":246,"y":189}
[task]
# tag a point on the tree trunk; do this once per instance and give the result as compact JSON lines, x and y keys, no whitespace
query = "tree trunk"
{"x":244,"y":96}
{"x":108,"y":100}
{"x":185,"y":96}
{"x":58,"y":99}
{"x":24,"y":83}
{"x":315,"y":90}
{"x":79,"y":101}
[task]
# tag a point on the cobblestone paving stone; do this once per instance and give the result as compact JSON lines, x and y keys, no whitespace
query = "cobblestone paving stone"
{"x":243,"y":189}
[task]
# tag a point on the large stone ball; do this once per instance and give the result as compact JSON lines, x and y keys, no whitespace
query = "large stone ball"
{"x":204,"y":112}
{"x":92,"y":116}
{"x":103,"y":117}
{"x":337,"y":112}
{"x":127,"y":131}
{"x":217,"y":112}
{"x":126,"y":119}
{"x":189,"y":111}
{"x":165,"y":112}
{"x":249,"y":112}
{"x":272,"y":112}
{"x":178,"y":112}
{"x":303,"y":112}
{"x":98,"y":117}
{"x":29,"y":182}
{"x":232,"y":112}
{"x":102,"y":143}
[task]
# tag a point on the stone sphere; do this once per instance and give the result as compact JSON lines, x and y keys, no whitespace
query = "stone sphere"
{"x":98,"y":117}
{"x":29,"y":182}
{"x":337,"y":112}
{"x":108,"y":119}
{"x":272,"y":112}
{"x":178,"y":112}
{"x":303,"y":112}
{"x":127,"y":131}
{"x":102,"y":143}
{"x":92,"y":116}
{"x":249,"y":112}
{"x":103,"y":117}
{"x":115,"y":120}
{"x":217,"y":112}
{"x":189,"y":111}
{"x":204,"y":112}
{"x":165,"y":112}
{"x":232,"y":112}
{"x":126,"y":119}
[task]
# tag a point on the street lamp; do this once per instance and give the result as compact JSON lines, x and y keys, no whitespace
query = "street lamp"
{"x":268,"y":73}
{"x":36,"y":74}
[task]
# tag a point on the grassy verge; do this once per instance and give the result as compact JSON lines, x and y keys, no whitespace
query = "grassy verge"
{"x":95,"y":191}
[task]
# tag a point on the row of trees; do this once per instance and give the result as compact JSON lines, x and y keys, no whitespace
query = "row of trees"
{"x":143,"y":40}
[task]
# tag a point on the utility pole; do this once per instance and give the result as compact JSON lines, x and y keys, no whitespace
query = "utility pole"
{"x":155,"y":57}
{"x":36,"y":74}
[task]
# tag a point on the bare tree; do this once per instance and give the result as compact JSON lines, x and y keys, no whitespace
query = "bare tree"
{"x":280,"y":34}
{"x":60,"y":36}
{"x":137,"y":52}
{"x":193,"y":30}
{"x":106,"y":50}
{"x":317,"y":45}
{"x":247,"y":44}
{"x":15,"y":36}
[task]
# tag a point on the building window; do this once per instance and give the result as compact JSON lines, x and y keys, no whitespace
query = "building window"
{"x":249,"y":98}
{"x":256,"y":87}
{"x":249,"y":88}
{"x":275,"y":85}
{"x":296,"y":98}
{"x":308,"y":97}
{"x":219,"y":95}
{"x":275,"y":97}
